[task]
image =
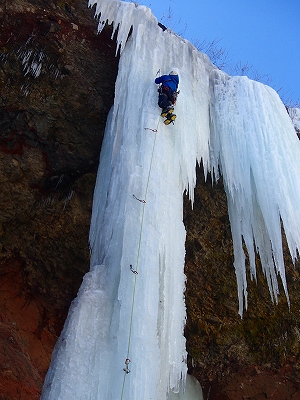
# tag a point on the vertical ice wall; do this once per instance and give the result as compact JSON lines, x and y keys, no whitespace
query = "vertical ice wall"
{"x":254,"y":144}
{"x":131,"y":304}
{"x":139,"y":316}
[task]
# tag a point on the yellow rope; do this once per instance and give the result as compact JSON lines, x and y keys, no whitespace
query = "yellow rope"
{"x":137,"y":259}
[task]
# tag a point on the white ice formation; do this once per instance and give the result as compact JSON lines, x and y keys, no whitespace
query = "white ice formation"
{"x":131,"y":304}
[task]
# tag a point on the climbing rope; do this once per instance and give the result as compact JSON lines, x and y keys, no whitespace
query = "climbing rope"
{"x":135,"y":271}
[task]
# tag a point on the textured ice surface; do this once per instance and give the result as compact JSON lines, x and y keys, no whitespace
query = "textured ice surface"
{"x":131,"y":304}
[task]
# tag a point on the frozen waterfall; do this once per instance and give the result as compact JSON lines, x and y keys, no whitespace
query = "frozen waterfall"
{"x":123,"y":338}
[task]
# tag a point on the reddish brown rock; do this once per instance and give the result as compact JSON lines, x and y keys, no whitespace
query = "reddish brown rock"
{"x":27,"y":337}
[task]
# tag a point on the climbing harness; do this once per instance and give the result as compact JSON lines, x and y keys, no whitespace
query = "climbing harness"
{"x":135,"y":271}
{"x":166,"y":91}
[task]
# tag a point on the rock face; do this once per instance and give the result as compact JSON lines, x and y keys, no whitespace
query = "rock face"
{"x":57,"y":85}
{"x":256,"y":357}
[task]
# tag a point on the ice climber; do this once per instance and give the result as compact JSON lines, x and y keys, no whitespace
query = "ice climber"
{"x":167,"y":95}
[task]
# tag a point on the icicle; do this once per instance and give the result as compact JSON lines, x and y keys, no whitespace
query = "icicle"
{"x":255,"y":145}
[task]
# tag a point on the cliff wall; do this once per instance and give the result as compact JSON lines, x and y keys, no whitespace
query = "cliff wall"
{"x":57,"y":85}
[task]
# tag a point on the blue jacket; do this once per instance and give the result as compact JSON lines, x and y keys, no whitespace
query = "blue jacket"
{"x":171,"y":81}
